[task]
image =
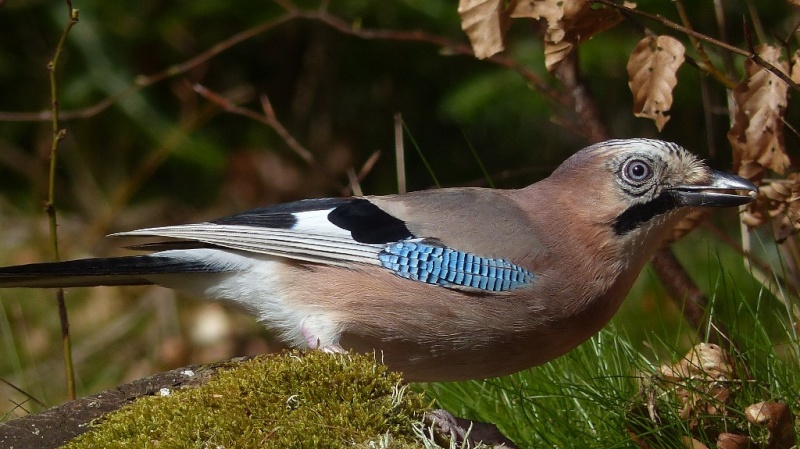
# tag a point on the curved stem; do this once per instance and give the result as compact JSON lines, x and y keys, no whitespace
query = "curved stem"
{"x":50,"y":208}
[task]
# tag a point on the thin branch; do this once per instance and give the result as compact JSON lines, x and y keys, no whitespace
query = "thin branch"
{"x":705,"y":62}
{"x":583,"y":103}
{"x":145,"y":170}
{"x":270,"y":119}
{"x":144,"y":81}
{"x":448,"y":46}
{"x":19,"y":390}
{"x":756,"y":19}
{"x":292,"y":13}
{"x":369,"y":164}
{"x":355,"y":178}
{"x":399,"y":153}
{"x":689,"y":32}
{"x":719,"y":15}
{"x":50,"y":208}
{"x":354,"y":183}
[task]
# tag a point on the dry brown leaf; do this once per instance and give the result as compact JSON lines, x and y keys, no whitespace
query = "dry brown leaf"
{"x":732,"y":441}
{"x":483,"y":21}
{"x":777,"y":418}
{"x":692,"y":443}
{"x":569,"y":22}
{"x":699,"y":381}
{"x":579,"y":23}
{"x":651,"y":76}
{"x":778,"y":199}
{"x":757,"y":132}
{"x":549,"y":10}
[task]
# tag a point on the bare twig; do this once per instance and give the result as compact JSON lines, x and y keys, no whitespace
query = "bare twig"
{"x":369,"y":164}
{"x":50,"y":208}
{"x":292,"y":13}
{"x":142,"y":82}
{"x":756,"y":19}
{"x":146,"y":169}
{"x":449,"y":46}
{"x":719,"y":15}
{"x":689,"y":32}
{"x":270,"y":119}
{"x":23,"y":392}
{"x":708,"y":116}
{"x":356,"y":178}
{"x":582,"y":101}
{"x":399,"y":153}
{"x":355,"y":184}
{"x":705,"y":63}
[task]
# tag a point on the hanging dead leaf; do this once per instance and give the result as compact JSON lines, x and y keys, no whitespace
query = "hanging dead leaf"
{"x":484,"y":21}
{"x":569,"y":22}
{"x":549,"y":10}
{"x":579,"y":23}
{"x":651,"y":76}
{"x":795,"y":75}
{"x":757,"y":132}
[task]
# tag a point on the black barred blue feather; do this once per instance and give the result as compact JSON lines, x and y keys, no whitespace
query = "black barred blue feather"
{"x":452,"y":268}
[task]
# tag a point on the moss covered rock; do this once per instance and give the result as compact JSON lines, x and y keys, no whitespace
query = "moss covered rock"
{"x":292,"y":400}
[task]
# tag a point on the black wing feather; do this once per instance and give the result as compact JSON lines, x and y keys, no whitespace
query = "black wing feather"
{"x":366,"y":222}
{"x":369,"y":223}
{"x":280,"y":216}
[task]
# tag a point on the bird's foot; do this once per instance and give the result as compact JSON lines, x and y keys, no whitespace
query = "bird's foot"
{"x":332,"y":349}
{"x":314,"y":342}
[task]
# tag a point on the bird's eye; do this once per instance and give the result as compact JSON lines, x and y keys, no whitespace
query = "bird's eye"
{"x":637,"y":170}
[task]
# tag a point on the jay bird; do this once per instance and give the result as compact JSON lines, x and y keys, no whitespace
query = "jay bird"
{"x":447,"y":284}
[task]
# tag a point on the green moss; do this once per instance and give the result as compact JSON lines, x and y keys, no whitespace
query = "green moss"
{"x":292,"y":400}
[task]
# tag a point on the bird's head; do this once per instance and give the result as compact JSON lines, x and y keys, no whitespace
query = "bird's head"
{"x":614,"y":204}
{"x":635,"y":184}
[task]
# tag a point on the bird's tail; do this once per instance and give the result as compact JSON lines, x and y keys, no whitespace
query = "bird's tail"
{"x":130,"y":270}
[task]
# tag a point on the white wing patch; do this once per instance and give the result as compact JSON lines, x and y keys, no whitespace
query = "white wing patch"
{"x":316,"y":222}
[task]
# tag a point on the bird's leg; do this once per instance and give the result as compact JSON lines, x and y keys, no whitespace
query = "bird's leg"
{"x":314,"y":342}
{"x":332,"y":349}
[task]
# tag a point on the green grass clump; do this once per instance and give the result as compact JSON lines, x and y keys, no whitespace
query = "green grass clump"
{"x":608,"y":394}
{"x":292,"y":400}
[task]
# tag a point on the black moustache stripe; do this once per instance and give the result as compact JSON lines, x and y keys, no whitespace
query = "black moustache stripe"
{"x":636,"y":215}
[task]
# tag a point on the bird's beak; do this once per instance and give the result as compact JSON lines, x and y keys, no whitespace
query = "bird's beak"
{"x":720,"y":190}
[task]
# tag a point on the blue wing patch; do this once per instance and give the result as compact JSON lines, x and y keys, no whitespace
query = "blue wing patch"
{"x":450,"y":268}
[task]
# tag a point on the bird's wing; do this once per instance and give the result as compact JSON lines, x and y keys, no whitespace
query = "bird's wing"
{"x":300,"y":230}
{"x":345,"y":231}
